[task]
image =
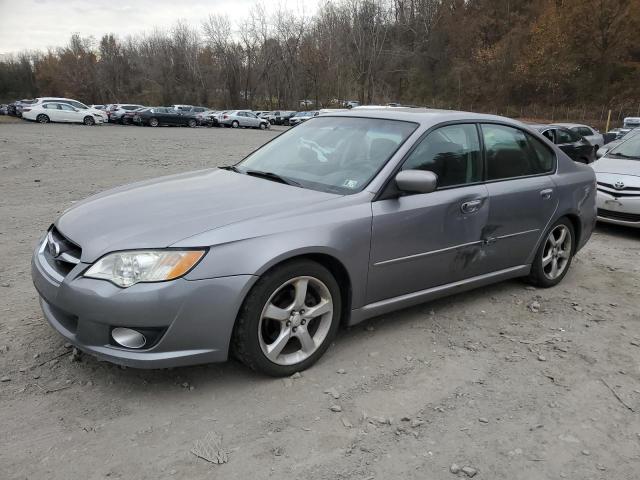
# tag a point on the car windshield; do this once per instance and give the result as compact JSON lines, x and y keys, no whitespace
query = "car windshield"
{"x":332,"y":154}
{"x":629,"y":149}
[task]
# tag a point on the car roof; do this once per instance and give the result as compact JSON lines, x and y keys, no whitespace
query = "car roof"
{"x":570,"y":125}
{"x":424,"y":116}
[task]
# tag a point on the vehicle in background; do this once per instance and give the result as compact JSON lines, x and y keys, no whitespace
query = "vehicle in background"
{"x":604,"y":149}
{"x":127,"y":118}
{"x":3,"y":109}
{"x":61,"y":112}
{"x":575,"y":146}
{"x":351,"y":103}
{"x":593,"y":136}
{"x":300,"y":117}
{"x":15,"y":108}
{"x":91,"y":112}
{"x":628,"y":124}
{"x":116,"y":114}
{"x":242,"y":118}
{"x":169,"y":116}
{"x":618,"y":177}
{"x":280,"y":117}
{"x":99,"y":107}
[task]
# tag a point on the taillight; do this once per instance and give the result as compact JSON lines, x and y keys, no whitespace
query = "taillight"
{"x":224,"y":117}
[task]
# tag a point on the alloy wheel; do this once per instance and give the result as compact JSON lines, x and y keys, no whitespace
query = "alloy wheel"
{"x":295,"y":320}
{"x":557,"y":252}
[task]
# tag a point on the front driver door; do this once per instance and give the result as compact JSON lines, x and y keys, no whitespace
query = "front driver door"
{"x":424,"y":240}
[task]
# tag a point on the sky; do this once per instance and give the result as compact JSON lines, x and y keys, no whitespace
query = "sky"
{"x":39,"y":24}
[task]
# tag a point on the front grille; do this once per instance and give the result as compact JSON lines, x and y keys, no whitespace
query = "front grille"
{"x":61,"y":253}
{"x":626,"y":217}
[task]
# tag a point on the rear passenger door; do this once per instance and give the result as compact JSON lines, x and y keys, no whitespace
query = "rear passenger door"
{"x":522,"y":195}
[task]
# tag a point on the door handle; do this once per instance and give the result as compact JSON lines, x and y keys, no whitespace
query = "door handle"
{"x":470,"y":206}
{"x":546,"y":193}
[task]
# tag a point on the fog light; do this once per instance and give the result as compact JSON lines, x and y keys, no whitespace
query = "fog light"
{"x":128,"y":338}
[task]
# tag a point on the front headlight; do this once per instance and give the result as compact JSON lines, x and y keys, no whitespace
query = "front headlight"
{"x":128,"y":268}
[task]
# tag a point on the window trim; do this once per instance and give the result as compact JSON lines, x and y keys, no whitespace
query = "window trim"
{"x":553,"y":170}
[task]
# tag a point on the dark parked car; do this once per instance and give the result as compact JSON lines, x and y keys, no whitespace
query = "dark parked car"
{"x":280,"y":117}
{"x":157,"y":116}
{"x":342,"y":218}
{"x":574,"y":145}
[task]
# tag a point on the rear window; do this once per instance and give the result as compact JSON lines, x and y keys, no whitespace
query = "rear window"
{"x":512,"y":153}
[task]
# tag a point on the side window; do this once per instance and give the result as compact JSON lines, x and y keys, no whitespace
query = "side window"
{"x":549,"y":135}
{"x":452,"y":153}
{"x":510,"y":153}
{"x":64,"y":106}
{"x":564,"y":136}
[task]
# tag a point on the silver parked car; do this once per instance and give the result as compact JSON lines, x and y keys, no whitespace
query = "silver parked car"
{"x":592,"y":135}
{"x":242,"y":118}
{"x":340,"y":219}
{"x":618,"y":174}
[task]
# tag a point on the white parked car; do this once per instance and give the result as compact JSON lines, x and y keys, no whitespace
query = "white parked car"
{"x":75,"y":104}
{"x":618,"y":177}
{"x":60,"y":112}
{"x":593,"y":136}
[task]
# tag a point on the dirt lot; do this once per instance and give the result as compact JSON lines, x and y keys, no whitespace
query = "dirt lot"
{"x":478,"y":379}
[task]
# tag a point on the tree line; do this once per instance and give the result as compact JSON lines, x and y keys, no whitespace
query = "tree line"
{"x":471,"y":54}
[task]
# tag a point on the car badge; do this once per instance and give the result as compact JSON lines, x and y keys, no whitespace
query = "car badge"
{"x":619,"y":185}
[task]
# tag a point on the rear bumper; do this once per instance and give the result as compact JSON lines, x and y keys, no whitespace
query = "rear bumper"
{"x":195,"y":318}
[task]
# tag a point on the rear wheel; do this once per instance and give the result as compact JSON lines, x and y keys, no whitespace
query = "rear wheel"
{"x":153,"y":122}
{"x":288,"y":319}
{"x":42,"y":118}
{"x":192,"y":123}
{"x":89,"y":121}
{"x":554,"y":255}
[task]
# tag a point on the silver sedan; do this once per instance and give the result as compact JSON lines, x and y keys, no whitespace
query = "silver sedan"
{"x":342,"y":218}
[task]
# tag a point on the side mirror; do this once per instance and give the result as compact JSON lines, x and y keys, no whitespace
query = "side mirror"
{"x":602,"y":151}
{"x":416,"y":181}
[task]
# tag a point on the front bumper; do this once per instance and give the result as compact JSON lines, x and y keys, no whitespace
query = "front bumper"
{"x":196,"y":317}
{"x":618,"y":210}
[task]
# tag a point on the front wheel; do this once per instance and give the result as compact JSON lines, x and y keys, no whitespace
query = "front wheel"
{"x":42,"y":118}
{"x":153,"y":122}
{"x":235,"y":124}
{"x":289,"y":319}
{"x":554,"y":255}
{"x":192,"y":123}
{"x":263,"y":126}
{"x":89,"y":121}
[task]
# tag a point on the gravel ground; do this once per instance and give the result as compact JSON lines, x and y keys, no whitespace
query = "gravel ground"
{"x":489,"y":380}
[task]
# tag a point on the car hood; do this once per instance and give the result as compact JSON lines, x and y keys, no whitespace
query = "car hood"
{"x":619,"y":166}
{"x":158,"y":213}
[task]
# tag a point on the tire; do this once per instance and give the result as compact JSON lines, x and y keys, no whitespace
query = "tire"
{"x":255,"y":333}
{"x":192,"y":123}
{"x":542,"y":268}
{"x":235,"y":124}
{"x":153,"y":122}
{"x":42,"y":118}
{"x":263,"y":126}
{"x":88,"y":121}
{"x":272,"y":122}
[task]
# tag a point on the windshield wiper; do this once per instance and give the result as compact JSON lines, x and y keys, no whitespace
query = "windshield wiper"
{"x":231,"y":168}
{"x":272,"y":176}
